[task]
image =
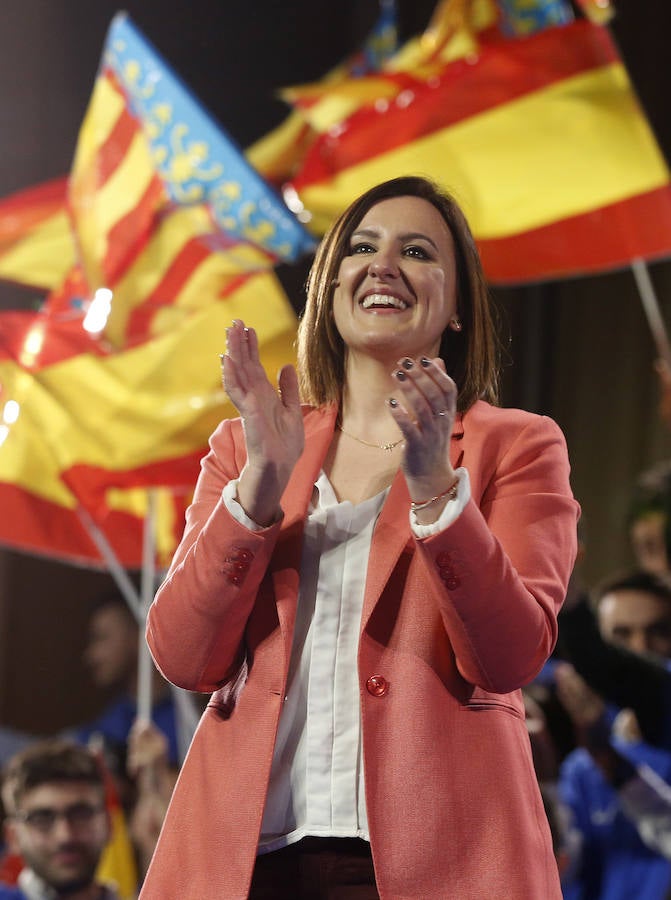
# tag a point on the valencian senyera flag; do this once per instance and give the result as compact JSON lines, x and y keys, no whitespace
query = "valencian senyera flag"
{"x":165,"y":207}
{"x":536,"y":131}
{"x":113,"y":387}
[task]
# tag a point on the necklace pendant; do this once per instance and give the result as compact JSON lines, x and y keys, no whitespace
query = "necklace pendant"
{"x":389,"y":447}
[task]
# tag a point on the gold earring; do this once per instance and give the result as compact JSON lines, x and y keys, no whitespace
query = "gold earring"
{"x":456,"y":324}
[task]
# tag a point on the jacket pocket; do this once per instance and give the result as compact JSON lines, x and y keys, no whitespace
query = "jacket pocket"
{"x":224,"y":700}
{"x":482,"y":704}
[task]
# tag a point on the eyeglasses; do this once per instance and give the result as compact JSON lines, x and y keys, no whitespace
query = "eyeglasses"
{"x":43,"y":819}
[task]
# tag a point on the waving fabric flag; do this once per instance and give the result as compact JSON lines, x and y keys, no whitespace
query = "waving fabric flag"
{"x":165,"y":208}
{"x":114,"y":386}
{"x":36,"y":246}
{"x":278,"y":154}
{"x":87,"y":427}
{"x":542,"y":141}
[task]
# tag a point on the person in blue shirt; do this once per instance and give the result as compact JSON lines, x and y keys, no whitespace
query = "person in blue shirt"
{"x":111,"y":655}
{"x":620,"y":655}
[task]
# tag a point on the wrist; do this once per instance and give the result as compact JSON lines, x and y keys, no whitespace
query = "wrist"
{"x":259,"y":493}
{"x":441,"y":498}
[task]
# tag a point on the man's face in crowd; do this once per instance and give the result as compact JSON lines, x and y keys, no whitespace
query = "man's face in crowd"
{"x":637,"y":620}
{"x":60,"y":831}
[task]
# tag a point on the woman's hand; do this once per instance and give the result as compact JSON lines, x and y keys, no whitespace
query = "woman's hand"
{"x":272,"y":422}
{"x":424,"y":407}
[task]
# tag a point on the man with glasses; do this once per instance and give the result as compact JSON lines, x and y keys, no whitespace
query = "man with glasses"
{"x":56,"y":821}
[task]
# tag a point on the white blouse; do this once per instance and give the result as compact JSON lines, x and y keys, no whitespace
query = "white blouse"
{"x":317,"y":778}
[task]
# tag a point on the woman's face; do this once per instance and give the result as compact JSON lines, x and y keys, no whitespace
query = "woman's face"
{"x":397,"y":281}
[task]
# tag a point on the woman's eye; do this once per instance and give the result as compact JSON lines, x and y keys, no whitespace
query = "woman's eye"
{"x":417,"y":252}
{"x":362,"y":248}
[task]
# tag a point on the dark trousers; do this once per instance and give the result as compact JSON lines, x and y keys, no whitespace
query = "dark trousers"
{"x":316,"y":869}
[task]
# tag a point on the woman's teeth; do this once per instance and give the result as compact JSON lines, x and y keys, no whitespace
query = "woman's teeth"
{"x":383,"y":300}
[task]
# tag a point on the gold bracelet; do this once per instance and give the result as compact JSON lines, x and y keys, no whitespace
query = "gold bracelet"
{"x":449,"y":494}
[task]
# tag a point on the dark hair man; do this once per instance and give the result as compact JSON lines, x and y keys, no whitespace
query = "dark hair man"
{"x":56,"y":820}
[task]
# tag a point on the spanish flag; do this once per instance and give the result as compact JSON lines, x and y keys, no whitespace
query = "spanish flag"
{"x":540,"y":138}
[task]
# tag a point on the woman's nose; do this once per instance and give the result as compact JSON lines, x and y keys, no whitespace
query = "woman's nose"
{"x":383,"y":267}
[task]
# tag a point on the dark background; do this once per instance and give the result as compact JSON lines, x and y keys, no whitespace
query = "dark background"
{"x":579,"y":350}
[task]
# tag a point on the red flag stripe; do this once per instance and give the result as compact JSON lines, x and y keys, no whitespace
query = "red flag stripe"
{"x":111,"y":153}
{"x":583,"y":244}
{"x":504,"y":72}
{"x":181,"y":267}
{"x":139,"y":222}
{"x":62,"y":339}
{"x":35,"y":525}
{"x":89,"y":482}
{"x":23,"y":210}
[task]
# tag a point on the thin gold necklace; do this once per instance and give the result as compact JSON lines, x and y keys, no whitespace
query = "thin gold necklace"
{"x":390,"y":446}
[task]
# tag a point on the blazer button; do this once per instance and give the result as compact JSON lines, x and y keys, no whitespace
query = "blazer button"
{"x":243,"y":554}
{"x":452,"y":582}
{"x":377,"y":685}
{"x":444,"y":559}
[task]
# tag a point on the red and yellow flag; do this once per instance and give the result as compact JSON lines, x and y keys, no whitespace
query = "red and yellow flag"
{"x":540,"y":138}
{"x":36,"y":245}
{"x":82,"y":425}
{"x":114,"y":386}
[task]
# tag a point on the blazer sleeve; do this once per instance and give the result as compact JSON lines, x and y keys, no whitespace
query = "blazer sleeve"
{"x":196,"y":624}
{"x":501,"y":569}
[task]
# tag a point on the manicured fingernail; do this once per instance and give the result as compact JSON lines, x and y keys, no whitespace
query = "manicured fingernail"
{"x":401,"y":375}
{"x":425,"y":362}
{"x":407,"y":363}
{"x":392,"y":402}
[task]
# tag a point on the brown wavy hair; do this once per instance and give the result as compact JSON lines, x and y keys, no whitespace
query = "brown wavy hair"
{"x":471,"y":356}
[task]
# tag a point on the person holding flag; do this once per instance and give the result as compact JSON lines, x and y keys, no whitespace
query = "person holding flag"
{"x":364,"y":583}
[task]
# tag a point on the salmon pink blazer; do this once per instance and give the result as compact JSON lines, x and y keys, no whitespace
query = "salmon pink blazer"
{"x":452,"y":627}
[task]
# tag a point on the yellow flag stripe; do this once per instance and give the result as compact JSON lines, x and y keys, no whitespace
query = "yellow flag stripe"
{"x":43,"y":257}
{"x":146,"y":276}
{"x":157,"y":401}
{"x":561,"y":151}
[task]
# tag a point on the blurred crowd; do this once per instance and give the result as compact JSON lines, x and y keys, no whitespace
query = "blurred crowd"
{"x":135,"y":759}
{"x":598,"y":716}
{"x":599,"y":713}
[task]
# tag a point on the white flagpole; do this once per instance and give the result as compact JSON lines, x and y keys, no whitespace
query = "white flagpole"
{"x":117,"y":571}
{"x":646,"y":290}
{"x":148,"y":583}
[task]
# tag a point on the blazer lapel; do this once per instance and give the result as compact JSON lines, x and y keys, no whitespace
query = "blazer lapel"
{"x":392,"y":530}
{"x":319,"y":426}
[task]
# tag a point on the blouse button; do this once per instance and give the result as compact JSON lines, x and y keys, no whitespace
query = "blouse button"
{"x":377,"y":685}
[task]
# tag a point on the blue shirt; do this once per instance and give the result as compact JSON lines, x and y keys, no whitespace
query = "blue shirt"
{"x":115,"y":722}
{"x":615,"y":863}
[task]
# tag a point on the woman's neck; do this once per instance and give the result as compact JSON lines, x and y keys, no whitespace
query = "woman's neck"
{"x":368,"y":387}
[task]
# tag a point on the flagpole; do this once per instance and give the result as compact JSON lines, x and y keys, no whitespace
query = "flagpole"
{"x":123,"y":582}
{"x":648,"y":296}
{"x":148,"y":582}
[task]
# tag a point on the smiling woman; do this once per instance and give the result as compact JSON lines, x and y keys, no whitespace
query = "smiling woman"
{"x":365,"y":582}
